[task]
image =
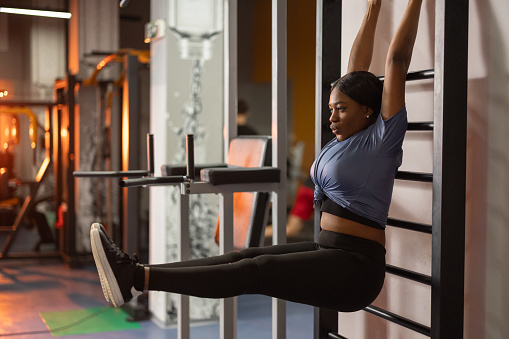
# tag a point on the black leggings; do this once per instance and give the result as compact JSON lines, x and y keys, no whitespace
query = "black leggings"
{"x":340,"y":272}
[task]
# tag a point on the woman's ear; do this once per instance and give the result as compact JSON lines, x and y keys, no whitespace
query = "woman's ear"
{"x":368,"y":112}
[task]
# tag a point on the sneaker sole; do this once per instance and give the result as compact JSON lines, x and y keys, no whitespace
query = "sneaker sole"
{"x":109,"y":283}
{"x":101,"y":275}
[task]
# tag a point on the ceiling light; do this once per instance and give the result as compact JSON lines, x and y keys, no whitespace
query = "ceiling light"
{"x":49,"y":14}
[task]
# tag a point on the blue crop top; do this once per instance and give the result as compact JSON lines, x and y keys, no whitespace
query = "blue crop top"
{"x":358,"y":173}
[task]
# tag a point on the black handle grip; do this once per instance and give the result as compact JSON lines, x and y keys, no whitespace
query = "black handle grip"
{"x":152,"y":181}
{"x":190,"y":156}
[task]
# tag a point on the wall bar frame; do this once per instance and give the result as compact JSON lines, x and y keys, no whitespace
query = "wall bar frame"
{"x":449,"y":165}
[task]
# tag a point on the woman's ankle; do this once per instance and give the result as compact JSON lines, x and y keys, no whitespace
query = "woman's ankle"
{"x":141,"y":278}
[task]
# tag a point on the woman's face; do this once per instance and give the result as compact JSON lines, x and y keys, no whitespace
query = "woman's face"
{"x":347,"y":115}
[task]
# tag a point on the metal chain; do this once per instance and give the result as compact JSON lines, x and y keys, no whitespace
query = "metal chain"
{"x":196,"y":87}
{"x":191,"y":111}
{"x":191,"y":123}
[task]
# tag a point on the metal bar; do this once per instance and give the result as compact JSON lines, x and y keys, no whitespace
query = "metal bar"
{"x":414,"y":176}
{"x":131,"y":151}
{"x":111,"y":174}
{"x":150,"y":154}
{"x":325,"y":321}
{"x":57,"y":161}
{"x":183,"y":316}
{"x":200,"y":187}
{"x":153,"y":181}
{"x":69,"y":187}
{"x":418,"y":75}
{"x":404,"y":273}
{"x":327,"y":70}
{"x":205,"y":187}
{"x":48,"y":127}
{"x":449,"y":164}
{"x":190,"y":156}
{"x":409,"y":225}
{"x":397,"y":319}
{"x":279,"y":112}
{"x":230,"y":74}
{"x":25,"y":209}
{"x":228,"y":306}
{"x":421,"y":75}
{"x":420,"y":126}
{"x":279,"y":144}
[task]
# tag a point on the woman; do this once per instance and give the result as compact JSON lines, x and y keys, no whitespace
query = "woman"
{"x":353,"y":176}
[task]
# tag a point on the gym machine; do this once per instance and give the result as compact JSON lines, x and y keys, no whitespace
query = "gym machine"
{"x":14,"y":218}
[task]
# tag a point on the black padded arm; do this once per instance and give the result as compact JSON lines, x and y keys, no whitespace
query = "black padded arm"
{"x":240,"y":175}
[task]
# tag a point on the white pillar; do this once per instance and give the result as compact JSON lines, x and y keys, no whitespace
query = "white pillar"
{"x":170,"y":95}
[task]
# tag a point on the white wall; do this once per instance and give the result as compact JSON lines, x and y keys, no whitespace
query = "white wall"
{"x":487,"y":217}
{"x":488,"y":186}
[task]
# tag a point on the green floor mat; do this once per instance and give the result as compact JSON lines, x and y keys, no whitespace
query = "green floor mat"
{"x":90,"y":320}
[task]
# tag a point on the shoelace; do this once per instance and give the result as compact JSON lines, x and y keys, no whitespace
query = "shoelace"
{"x":123,"y":257}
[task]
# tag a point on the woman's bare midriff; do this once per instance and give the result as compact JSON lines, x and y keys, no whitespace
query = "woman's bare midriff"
{"x":333,"y":223}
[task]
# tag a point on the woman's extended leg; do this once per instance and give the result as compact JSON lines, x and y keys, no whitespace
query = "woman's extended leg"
{"x":247,"y":253}
{"x":231,"y":274}
{"x":304,"y":273}
{"x":331,"y":278}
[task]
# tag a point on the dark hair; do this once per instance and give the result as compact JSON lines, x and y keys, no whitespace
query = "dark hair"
{"x":242,"y":106}
{"x":363,"y":87}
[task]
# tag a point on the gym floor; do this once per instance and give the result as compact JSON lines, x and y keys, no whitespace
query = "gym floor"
{"x":29,"y":287}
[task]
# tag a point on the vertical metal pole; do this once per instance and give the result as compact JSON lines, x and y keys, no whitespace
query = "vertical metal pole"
{"x":183,"y":318}
{"x":328,"y":69}
{"x":48,"y":127}
{"x":279,"y":144}
{"x":130,"y":147}
{"x":230,"y":74}
{"x":228,"y":315}
{"x":150,"y":154}
{"x":449,"y":174}
{"x":190,"y":156}
{"x":319,"y":89}
{"x":72,"y":259}
{"x":57,"y":163}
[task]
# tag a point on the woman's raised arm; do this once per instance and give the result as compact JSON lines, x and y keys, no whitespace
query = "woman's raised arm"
{"x":362,"y":48}
{"x":398,"y":60}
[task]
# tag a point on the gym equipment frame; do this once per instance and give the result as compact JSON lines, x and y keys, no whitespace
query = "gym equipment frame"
{"x":277,"y":188}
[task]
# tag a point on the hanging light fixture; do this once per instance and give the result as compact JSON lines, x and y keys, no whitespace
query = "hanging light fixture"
{"x":196,"y":23}
{"x":36,"y":12}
